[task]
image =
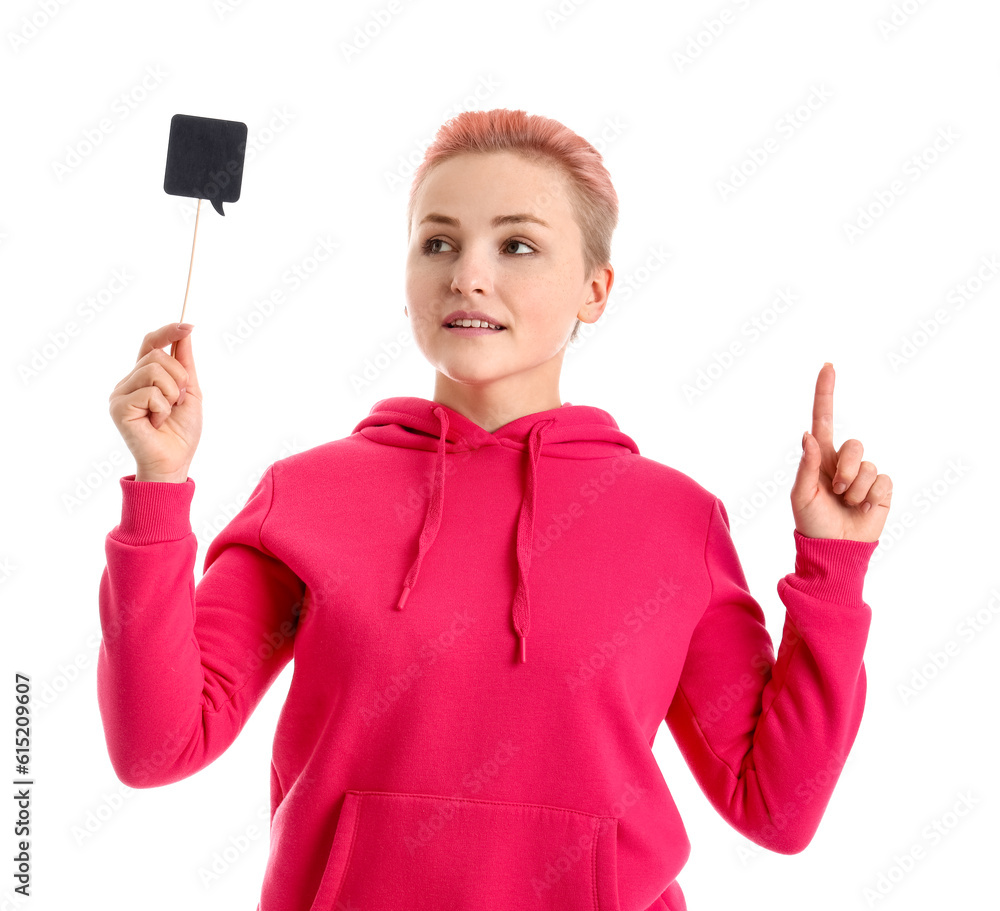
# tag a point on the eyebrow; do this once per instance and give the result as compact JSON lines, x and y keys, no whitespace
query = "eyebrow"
{"x":517,"y":218}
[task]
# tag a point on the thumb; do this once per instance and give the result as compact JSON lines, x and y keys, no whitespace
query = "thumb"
{"x":807,"y":477}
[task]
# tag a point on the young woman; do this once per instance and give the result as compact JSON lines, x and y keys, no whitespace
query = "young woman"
{"x":492,"y":599}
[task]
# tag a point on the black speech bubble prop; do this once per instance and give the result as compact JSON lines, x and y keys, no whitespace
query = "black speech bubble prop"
{"x":205,"y":159}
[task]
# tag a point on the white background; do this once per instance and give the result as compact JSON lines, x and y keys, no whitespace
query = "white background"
{"x":334,"y":165}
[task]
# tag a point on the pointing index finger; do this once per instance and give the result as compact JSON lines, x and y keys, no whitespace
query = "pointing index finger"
{"x":822,"y":418}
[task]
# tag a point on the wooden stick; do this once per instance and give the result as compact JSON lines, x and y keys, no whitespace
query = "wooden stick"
{"x":190,"y":267}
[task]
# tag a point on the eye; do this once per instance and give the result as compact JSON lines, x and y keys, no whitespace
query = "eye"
{"x":522,"y":243}
{"x":440,"y":240}
{"x":433,"y":240}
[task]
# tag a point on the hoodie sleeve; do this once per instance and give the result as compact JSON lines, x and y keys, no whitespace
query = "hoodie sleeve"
{"x":181,"y":668}
{"x":766,"y":738}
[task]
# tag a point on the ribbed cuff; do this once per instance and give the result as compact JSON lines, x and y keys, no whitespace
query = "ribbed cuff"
{"x":831,"y":569}
{"x":154,"y":511}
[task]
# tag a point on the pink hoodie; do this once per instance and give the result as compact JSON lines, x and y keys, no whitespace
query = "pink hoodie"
{"x":488,"y":629}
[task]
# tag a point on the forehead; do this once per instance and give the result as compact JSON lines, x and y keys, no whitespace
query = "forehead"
{"x":476,"y":187}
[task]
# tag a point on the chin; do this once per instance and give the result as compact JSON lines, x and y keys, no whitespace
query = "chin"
{"x":471,"y":377}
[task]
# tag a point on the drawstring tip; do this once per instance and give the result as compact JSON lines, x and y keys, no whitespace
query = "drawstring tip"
{"x":523,"y":658}
{"x":403,"y":597}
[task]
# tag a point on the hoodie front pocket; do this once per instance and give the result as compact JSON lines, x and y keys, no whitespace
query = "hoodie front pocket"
{"x":428,"y":853}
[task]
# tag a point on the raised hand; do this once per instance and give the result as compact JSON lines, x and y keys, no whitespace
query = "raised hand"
{"x":157,"y":406}
{"x":835,"y":494}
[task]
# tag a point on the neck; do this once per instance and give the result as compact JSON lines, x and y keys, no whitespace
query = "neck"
{"x":493,"y":404}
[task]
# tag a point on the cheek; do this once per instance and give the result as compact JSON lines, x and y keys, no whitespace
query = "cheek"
{"x":416,"y":286}
{"x":420,"y":274}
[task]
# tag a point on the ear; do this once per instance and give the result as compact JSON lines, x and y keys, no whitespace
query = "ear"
{"x":600,"y":287}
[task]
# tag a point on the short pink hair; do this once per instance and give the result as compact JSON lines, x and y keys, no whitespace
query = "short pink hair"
{"x":538,"y":139}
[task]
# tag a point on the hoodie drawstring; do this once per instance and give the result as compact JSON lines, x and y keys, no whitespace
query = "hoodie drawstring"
{"x":521,"y":606}
{"x":432,"y":518}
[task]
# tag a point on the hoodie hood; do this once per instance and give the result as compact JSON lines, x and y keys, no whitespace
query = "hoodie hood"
{"x":567,"y":432}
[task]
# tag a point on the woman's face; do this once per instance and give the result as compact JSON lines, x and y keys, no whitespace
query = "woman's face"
{"x":525,"y":276}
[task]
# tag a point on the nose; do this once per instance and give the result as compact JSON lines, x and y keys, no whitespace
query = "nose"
{"x":472,"y":272}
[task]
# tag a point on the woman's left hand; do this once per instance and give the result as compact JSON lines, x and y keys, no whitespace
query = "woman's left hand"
{"x":833,"y":487}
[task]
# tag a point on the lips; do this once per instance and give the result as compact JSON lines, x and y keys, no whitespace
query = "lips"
{"x":472,"y":314}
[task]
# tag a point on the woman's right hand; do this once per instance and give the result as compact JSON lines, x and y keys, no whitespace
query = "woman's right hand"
{"x":161,"y":425}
